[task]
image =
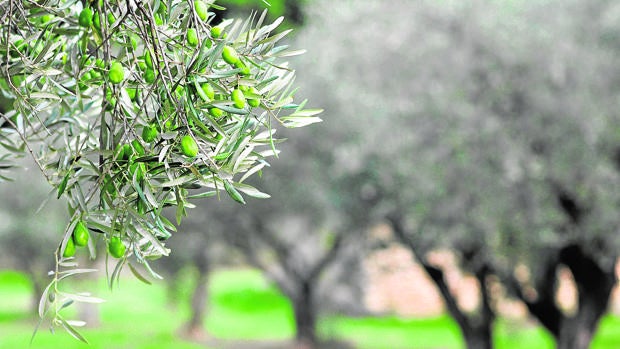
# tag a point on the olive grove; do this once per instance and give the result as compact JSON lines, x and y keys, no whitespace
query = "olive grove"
{"x":487,"y":128}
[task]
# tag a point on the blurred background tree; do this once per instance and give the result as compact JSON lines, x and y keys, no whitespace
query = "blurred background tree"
{"x":484,"y":128}
{"x":30,"y":226}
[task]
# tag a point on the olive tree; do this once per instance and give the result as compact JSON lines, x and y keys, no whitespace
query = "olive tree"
{"x":130,"y":107}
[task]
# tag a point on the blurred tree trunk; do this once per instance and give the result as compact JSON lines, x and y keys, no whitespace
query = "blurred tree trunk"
{"x":305,"y":315}
{"x":477,"y":329}
{"x":198,"y":303}
{"x":594,"y":284}
{"x":297,"y":278}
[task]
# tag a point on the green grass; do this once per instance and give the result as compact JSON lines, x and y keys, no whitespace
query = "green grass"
{"x":244,"y":306}
{"x":395,"y":333}
{"x":134,"y":316}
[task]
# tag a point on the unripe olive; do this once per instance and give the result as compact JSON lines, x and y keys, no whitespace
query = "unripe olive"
{"x":208,"y":90}
{"x":216,"y":112}
{"x":216,"y":32}
{"x":202,"y":10}
{"x":132,"y":93}
{"x":238,"y":98}
{"x":116,"y":247}
{"x":80,"y":234}
{"x":97,"y":21}
{"x":86,"y":18}
{"x":69,"y":249}
{"x":116,"y":73}
{"x":229,"y":55}
{"x":188,"y":146}
{"x":254,"y":102}
{"x":148,"y":60}
{"x":245,"y":70}
{"x":192,"y":37}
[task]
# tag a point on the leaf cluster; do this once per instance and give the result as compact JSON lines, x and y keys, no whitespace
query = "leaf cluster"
{"x":132,"y":107}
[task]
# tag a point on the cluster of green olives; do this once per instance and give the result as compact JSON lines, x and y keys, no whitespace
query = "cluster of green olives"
{"x":80,"y":237}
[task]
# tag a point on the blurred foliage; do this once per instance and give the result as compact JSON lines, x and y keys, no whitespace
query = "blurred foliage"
{"x":292,"y":10}
{"x":487,"y":129}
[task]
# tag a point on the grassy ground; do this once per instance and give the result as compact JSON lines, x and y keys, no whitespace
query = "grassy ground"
{"x":243,"y":307}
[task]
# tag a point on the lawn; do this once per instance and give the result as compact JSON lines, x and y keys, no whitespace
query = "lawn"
{"x":243,"y":307}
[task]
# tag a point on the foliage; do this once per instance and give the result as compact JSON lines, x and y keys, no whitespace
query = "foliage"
{"x":125,"y":115}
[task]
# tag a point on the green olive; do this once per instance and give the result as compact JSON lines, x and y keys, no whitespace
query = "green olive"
{"x":188,"y":146}
{"x":86,"y":18}
{"x":202,"y":9}
{"x":229,"y":55}
{"x":245,"y":70}
{"x":253,"y":102}
{"x":69,"y":249}
{"x":97,"y":21}
{"x":208,"y":90}
{"x":216,"y":112}
{"x":116,"y":247}
{"x":192,"y":37}
{"x":216,"y":32}
{"x":99,"y":63}
{"x":80,"y":234}
{"x":116,"y":73}
{"x":132,"y":93}
{"x":46,"y":18}
{"x":238,"y":98}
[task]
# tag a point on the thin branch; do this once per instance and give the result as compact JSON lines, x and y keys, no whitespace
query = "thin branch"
{"x":327,"y":258}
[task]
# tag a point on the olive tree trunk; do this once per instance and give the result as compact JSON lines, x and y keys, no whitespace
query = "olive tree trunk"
{"x":198,"y":303}
{"x":594,"y":283}
{"x":305,"y":316}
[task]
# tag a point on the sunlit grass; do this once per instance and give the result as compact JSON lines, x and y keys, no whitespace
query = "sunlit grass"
{"x":243,"y":306}
{"x":133,"y":317}
{"x":396,"y":333}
